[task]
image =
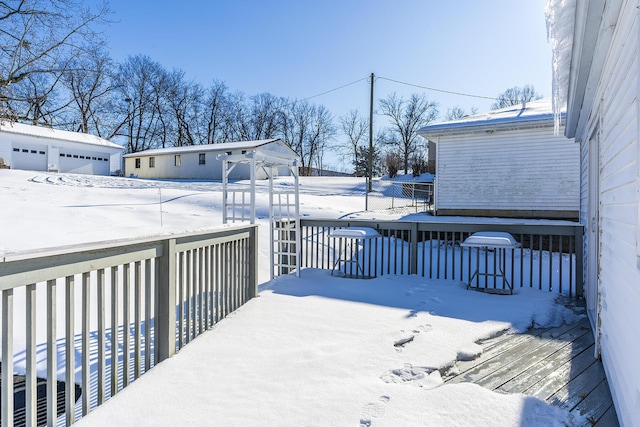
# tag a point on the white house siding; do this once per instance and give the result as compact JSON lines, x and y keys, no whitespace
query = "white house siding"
{"x":190,"y":167}
{"x":508,"y":171}
{"x":616,"y":107}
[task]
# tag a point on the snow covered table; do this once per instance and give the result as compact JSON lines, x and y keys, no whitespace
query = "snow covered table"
{"x":499,"y":242}
{"x":350,"y":255}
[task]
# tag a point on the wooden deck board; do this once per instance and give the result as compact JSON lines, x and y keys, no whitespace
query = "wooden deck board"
{"x":554,"y":364}
{"x":528,"y":378}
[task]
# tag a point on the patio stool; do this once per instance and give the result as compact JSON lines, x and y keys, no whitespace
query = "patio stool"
{"x":354,"y":236}
{"x":500,"y":242}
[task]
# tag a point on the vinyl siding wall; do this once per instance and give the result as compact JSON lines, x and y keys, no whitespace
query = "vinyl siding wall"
{"x":617,"y":109}
{"x":531,"y":170}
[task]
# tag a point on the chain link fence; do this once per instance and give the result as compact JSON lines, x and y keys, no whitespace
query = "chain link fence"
{"x":398,"y":197}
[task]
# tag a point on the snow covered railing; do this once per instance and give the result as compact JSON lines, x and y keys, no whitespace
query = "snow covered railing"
{"x":100,"y":315}
{"x":549,"y":256}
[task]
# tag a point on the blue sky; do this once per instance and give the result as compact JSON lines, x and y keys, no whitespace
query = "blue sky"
{"x":298,"y":49}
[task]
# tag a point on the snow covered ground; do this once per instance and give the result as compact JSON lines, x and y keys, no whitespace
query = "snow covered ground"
{"x":315,"y":350}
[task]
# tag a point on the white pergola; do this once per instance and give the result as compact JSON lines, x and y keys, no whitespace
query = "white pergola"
{"x":239,"y":204}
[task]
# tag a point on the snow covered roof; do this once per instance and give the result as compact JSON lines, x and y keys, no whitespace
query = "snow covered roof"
{"x":533,"y":114}
{"x":61,"y":135}
{"x":225,"y":146}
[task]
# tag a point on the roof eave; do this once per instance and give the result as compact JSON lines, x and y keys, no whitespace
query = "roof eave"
{"x":431,"y":132}
{"x":593,"y":32}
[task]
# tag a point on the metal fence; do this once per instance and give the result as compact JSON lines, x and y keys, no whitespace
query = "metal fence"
{"x":139,"y":301}
{"x":400,"y":197}
{"x":550,"y":256}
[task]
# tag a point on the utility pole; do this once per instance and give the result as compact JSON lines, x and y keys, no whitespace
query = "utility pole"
{"x":370,"y":186}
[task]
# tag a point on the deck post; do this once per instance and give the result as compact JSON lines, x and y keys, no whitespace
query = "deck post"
{"x":166,"y":301}
{"x":413,"y":266}
{"x":253,"y":262}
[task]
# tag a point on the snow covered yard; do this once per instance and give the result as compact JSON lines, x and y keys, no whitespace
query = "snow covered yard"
{"x":315,"y":350}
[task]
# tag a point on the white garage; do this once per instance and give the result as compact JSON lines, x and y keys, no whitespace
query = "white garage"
{"x":44,"y":149}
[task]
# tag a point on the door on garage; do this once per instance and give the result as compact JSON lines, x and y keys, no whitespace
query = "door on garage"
{"x":29,"y":157}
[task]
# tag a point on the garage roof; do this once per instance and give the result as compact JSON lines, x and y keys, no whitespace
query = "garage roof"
{"x":225,"y":146}
{"x":61,"y":135}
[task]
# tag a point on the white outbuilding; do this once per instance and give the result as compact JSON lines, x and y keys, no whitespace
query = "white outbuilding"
{"x":45,"y":149}
{"x":201,"y":161}
{"x":506,"y":163}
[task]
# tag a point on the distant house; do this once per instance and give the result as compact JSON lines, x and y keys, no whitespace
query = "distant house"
{"x":201,"y":162}
{"x":44,"y":149}
{"x":505,"y":163}
{"x":596,"y":51}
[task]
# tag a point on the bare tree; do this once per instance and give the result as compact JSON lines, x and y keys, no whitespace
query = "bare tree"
{"x":456,"y":113}
{"x":138,"y":82}
{"x":266,"y":116}
{"x":355,"y":128}
{"x":89,"y":84}
{"x":516,"y":96}
{"x":36,"y":99}
{"x":183,"y":101}
{"x":407,"y":117}
{"x":216,"y":110}
{"x":38,"y":38}
{"x":307,"y":129}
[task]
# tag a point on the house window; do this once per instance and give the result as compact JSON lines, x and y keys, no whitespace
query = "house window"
{"x":16,"y":149}
{"x":201,"y":158}
{"x":244,"y":151}
{"x":68,"y":155}
{"x":25,"y":150}
{"x":229,"y":153}
{"x":82,"y":157}
{"x":40,"y":152}
{"x":152,"y":162}
{"x":75,"y":156}
{"x":176,"y":160}
{"x":138,"y":163}
{"x":34,"y":151}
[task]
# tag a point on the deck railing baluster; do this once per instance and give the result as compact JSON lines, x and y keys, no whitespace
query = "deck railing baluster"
{"x":70,"y":350}
{"x":86,"y":341}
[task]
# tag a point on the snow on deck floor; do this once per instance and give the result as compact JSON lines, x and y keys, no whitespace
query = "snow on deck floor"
{"x":325,"y":351}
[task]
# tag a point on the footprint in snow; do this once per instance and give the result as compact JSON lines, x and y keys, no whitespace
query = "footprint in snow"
{"x":419,"y":376}
{"x":373,"y":410}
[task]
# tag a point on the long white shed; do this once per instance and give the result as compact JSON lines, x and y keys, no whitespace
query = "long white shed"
{"x":506,"y":163}
{"x":40,"y":148}
{"x":201,"y":161}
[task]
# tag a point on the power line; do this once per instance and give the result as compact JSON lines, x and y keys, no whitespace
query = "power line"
{"x":338,"y":88}
{"x":403,"y":83}
{"x":439,"y":90}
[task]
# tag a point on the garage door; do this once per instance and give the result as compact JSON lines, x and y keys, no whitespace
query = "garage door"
{"x":29,"y":158}
{"x":84,"y":162}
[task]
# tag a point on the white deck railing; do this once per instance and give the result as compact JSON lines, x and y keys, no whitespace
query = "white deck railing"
{"x":100,"y":315}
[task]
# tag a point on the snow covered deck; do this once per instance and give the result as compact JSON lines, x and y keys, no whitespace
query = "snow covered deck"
{"x":553,"y":364}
